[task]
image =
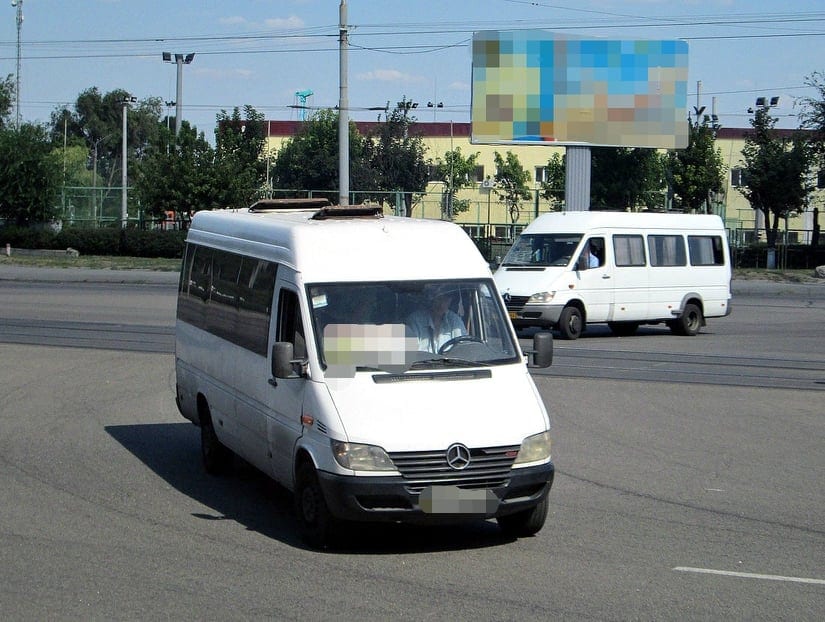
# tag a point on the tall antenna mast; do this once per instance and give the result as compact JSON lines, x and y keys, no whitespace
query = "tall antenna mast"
{"x":19,"y":5}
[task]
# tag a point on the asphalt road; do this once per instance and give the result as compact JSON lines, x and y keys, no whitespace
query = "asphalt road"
{"x":681,"y":494}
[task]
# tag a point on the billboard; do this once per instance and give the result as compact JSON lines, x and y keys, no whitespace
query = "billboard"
{"x":539,"y":87}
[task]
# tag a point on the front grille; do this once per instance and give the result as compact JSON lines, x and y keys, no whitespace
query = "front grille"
{"x":488,"y":468}
{"x":515,"y":303}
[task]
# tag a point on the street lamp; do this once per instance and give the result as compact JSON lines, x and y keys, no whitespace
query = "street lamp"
{"x":765,"y":102}
{"x":180,"y":61}
{"x":124,"y":214}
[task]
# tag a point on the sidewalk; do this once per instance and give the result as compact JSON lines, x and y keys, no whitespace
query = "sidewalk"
{"x":86,"y":275}
{"x":741,"y":287}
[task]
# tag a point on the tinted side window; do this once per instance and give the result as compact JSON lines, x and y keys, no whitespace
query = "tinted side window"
{"x":629,"y":250}
{"x":706,"y":250}
{"x":667,"y":250}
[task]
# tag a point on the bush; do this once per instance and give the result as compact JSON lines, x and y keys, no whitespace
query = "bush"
{"x":109,"y":241}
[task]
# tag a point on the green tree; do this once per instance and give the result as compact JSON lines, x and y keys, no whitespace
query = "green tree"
{"x":626,"y":178}
{"x":30,"y":175}
{"x":309,"y":159}
{"x":397,"y":157}
{"x":776,"y":172}
{"x":6,"y":101}
{"x":511,"y":183}
{"x":177,"y":174}
{"x":697,"y":171}
{"x":812,"y":115}
{"x":456,"y":172}
{"x":97,"y":122}
{"x":240,"y":172}
{"x":552,"y":188}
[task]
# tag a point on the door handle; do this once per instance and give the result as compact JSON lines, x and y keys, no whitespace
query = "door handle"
{"x":605,"y":276}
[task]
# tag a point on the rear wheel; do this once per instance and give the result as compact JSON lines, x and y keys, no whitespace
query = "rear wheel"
{"x":689,"y":322}
{"x":317,"y":523}
{"x":216,"y":456}
{"x":525,"y":523}
{"x":571,"y":323}
{"x":623,"y":329}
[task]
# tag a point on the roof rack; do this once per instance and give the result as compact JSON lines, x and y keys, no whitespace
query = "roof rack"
{"x":347,"y":211}
{"x":270,"y":205}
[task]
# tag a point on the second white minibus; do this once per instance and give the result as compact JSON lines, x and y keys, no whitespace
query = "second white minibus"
{"x":570,"y":269}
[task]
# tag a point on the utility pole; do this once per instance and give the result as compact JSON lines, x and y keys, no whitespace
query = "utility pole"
{"x":124,"y":213}
{"x":343,"y":110}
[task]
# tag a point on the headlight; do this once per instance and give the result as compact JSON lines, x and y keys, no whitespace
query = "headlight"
{"x":360,"y":457}
{"x":541,"y":297}
{"x":534,"y":448}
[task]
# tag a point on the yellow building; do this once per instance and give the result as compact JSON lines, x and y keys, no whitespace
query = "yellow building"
{"x":488,"y":217}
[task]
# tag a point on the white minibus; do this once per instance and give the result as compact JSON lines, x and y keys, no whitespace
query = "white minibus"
{"x":570,"y":269}
{"x":365,"y":363}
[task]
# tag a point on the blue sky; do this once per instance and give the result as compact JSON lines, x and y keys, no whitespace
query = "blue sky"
{"x":260,"y":52}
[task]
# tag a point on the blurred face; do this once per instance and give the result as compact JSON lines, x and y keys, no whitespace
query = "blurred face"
{"x":440,"y":305}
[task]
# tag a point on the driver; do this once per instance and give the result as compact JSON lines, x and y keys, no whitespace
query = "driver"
{"x":438,"y":324}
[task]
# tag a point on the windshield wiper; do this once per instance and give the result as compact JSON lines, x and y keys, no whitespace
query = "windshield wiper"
{"x":446,"y":362}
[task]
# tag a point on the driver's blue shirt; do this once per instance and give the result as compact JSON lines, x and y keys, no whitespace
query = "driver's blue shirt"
{"x":422,"y":327}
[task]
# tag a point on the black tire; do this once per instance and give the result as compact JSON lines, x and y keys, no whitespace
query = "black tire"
{"x":318,"y":525}
{"x":689,"y":323}
{"x":217,"y":458}
{"x":623,"y":329}
{"x":526,"y":523}
{"x":571,"y":323}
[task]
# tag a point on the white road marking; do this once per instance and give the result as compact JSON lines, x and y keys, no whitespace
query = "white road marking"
{"x":749,"y":575}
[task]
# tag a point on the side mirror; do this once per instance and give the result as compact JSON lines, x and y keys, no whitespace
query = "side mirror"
{"x":581,"y":263}
{"x":542,"y":352}
{"x":282,"y":353}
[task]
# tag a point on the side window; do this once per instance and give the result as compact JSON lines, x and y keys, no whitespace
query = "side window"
{"x":225,"y":268}
{"x":706,"y":250}
{"x":592,"y":255}
{"x":290,"y":327}
{"x":629,"y":250}
{"x":667,"y":250}
{"x":201,"y":273}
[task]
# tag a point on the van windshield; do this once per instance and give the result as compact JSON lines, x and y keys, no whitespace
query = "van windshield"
{"x":396,"y":326}
{"x":542,"y":249}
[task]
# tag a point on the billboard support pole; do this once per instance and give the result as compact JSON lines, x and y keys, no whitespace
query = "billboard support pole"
{"x":577,"y":179}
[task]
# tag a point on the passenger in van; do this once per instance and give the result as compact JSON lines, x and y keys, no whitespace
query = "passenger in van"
{"x":437,"y":324}
{"x":589,"y":257}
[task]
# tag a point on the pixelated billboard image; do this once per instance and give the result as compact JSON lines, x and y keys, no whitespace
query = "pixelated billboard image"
{"x":538,"y":87}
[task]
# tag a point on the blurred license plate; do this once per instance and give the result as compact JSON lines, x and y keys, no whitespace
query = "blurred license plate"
{"x":455,"y":500}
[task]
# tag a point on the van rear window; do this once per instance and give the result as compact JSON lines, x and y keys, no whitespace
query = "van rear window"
{"x":706,"y":250}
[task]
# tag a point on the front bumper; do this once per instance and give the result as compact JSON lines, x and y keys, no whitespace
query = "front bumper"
{"x":546,"y":316}
{"x":392,"y":499}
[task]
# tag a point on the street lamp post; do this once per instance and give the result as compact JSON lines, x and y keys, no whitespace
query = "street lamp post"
{"x":124,"y":213}
{"x":180,"y":61}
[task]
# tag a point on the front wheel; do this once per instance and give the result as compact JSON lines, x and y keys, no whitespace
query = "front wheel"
{"x":317,"y":523}
{"x":571,"y":323}
{"x":689,"y":323}
{"x":525,"y":523}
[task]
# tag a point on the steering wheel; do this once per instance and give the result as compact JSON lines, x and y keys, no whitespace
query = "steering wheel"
{"x":449,"y":345}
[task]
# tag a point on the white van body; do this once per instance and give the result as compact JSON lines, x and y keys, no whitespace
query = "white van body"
{"x":344,"y":409}
{"x":646,"y":268}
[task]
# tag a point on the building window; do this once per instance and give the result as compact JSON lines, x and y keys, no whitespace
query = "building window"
{"x":541,"y":174}
{"x":479,"y":173}
{"x":737,"y":177}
